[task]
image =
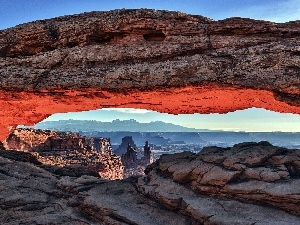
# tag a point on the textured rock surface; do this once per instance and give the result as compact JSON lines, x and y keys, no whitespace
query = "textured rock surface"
{"x":1,"y":146}
{"x":205,"y":209}
{"x":165,"y":61}
{"x":31,"y":195}
{"x":68,"y":152}
{"x":253,"y":172}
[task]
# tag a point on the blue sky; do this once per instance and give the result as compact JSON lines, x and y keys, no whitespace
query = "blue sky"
{"x":14,"y":12}
{"x":243,"y":120}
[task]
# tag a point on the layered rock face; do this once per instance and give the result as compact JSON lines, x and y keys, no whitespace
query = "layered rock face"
{"x":260,"y":175}
{"x":165,"y":61}
{"x":63,"y":149}
{"x":250,"y":172}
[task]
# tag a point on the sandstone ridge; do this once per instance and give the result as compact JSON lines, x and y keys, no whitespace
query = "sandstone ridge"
{"x":67,"y":151}
{"x":215,"y":186}
{"x":159,"y":60}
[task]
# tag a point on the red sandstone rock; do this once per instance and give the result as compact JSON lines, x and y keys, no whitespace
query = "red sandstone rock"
{"x":165,"y":61}
{"x":63,"y":149}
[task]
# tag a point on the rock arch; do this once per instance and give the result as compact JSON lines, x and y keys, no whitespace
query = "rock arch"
{"x":194,"y":64}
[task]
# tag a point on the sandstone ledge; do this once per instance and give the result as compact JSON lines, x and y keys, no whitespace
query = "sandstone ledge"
{"x":250,"y":172}
{"x":262,"y":196}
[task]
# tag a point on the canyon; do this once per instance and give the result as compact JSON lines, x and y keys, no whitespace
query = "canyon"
{"x":159,"y":60}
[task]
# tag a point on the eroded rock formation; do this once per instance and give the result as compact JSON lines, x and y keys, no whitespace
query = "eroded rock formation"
{"x":67,"y":150}
{"x":253,"y":172}
{"x":135,"y":161}
{"x":165,"y":61}
{"x":127,"y":140}
{"x":264,"y":178}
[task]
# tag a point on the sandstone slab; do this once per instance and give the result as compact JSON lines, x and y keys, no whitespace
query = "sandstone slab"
{"x":31,"y":195}
{"x":251,"y":172}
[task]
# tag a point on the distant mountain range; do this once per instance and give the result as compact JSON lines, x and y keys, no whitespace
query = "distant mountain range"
{"x":116,"y":125}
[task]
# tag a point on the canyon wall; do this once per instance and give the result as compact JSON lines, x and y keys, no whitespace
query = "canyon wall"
{"x":63,"y":149}
{"x":159,"y":60}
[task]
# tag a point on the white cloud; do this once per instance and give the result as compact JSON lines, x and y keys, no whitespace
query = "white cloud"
{"x":128,"y":110}
{"x":229,"y":128}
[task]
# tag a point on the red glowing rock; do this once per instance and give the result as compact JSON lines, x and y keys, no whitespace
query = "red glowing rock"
{"x":159,"y":60}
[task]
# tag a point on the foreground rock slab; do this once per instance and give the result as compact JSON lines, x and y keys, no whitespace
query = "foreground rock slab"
{"x":250,"y":172}
{"x":210,"y":210}
{"x":31,"y":195}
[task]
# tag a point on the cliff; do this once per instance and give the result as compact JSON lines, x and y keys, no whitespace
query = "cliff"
{"x":165,"y":61}
{"x":250,"y":183}
{"x":61,"y":149}
{"x":127,"y":140}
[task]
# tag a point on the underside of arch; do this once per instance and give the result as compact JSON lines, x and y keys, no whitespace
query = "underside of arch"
{"x":30,"y":108}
